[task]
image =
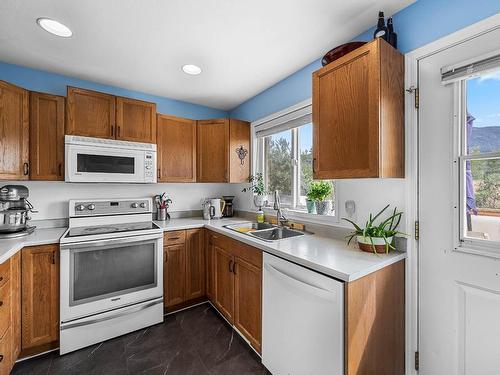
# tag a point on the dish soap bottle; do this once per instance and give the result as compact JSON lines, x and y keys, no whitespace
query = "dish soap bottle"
{"x":260,"y":216}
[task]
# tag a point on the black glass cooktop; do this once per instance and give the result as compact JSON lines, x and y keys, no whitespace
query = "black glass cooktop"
{"x":111,"y":228}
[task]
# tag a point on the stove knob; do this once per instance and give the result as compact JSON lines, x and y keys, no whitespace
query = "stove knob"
{"x":135,"y":205}
{"x":80,"y":207}
{"x":143,"y":205}
{"x":91,"y":207}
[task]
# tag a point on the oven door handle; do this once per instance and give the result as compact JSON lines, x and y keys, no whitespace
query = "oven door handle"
{"x":124,"y":312}
{"x":111,"y":241}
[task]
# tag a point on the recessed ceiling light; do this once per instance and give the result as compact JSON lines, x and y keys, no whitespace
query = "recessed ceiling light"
{"x":191,"y":69}
{"x":54,"y":27}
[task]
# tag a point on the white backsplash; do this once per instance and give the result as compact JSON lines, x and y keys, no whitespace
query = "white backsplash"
{"x":51,"y":198}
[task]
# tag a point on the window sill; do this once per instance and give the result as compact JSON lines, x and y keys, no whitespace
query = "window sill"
{"x":305,"y":217}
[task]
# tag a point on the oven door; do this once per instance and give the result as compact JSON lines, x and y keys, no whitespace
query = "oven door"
{"x":98,"y":276}
{"x":99,"y":164}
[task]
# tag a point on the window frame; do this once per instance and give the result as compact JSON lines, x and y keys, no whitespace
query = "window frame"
{"x":461,"y":242}
{"x":258,"y":165}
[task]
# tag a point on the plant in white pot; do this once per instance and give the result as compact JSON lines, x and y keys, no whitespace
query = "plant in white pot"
{"x":318,"y":193}
{"x":258,"y":189}
{"x":377,"y":238}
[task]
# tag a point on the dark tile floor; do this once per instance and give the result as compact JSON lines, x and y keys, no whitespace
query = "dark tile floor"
{"x":191,"y":342}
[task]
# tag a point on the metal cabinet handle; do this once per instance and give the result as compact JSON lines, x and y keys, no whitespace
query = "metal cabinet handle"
{"x":314,"y":165}
{"x":26,"y":169}
{"x":112,"y":130}
{"x":1,"y":357}
{"x":173,"y":238}
{"x":1,"y":278}
{"x":1,"y":303}
{"x":166,"y":256}
{"x":230,"y":266}
{"x":234,"y":268}
{"x":60,"y":169}
{"x":159,"y":172}
{"x":118,"y":131}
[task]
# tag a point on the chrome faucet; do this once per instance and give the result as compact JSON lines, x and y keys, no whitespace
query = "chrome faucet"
{"x":280,"y":218}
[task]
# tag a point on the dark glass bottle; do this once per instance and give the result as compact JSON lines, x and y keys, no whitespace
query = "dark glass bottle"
{"x":381,"y":30}
{"x":393,"y":37}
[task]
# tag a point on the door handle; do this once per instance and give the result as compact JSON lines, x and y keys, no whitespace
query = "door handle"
{"x":113,"y":131}
{"x":230,"y":266}
{"x":166,"y":256}
{"x":60,"y":169}
{"x":26,"y":169}
{"x":314,"y":165}
{"x":159,"y":172}
{"x":234,"y":268}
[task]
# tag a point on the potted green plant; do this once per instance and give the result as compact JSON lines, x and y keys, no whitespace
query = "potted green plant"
{"x":317,"y":193}
{"x":377,"y":238}
{"x":258,"y":189}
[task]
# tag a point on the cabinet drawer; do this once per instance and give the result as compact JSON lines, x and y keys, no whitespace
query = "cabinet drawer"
{"x":4,"y":272}
{"x":4,"y":307}
{"x":248,"y":253}
{"x":174,"y":238}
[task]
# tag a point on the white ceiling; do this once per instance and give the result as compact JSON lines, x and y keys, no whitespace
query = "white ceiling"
{"x":243,"y":47}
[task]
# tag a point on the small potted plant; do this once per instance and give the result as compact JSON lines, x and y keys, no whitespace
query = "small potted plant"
{"x":318,"y":192}
{"x":377,"y":238}
{"x":310,"y":204}
{"x":258,"y":189}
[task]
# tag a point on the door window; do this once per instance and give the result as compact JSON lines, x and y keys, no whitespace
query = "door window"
{"x":479,"y":159}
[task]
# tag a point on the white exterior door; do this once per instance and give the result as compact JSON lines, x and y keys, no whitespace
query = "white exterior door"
{"x":459,"y":283}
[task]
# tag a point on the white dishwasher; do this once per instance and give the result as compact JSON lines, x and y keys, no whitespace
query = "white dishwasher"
{"x":302,"y":320}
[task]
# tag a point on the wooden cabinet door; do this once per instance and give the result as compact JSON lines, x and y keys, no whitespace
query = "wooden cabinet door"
{"x":239,"y":151}
{"x":213,"y":139}
{"x":174,"y":278}
{"x":135,"y":120}
{"x":210,"y":269}
{"x":346,"y":116}
{"x":40,"y":296}
{"x":46,"y":136}
{"x":15,"y":283}
{"x":6,"y":360}
{"x":248,"y":301}
{"x":224,"y":282}
{"x":90,"y":113}
{"x":14,"y":132}
{"x":176,"y":153}
{"x":195,"y":264}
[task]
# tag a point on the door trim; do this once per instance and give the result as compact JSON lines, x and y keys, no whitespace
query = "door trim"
{"x":411,"y":122}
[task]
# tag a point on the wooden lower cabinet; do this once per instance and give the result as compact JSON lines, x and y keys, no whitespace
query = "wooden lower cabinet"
{"x":224,"y":282}
{"x":248,"y":301}
{"x":40,"y":298}
{"x":10,"y":302}
{"x":184,"y":268}
{"x":195,"y":264}
{"x":174,"y":278}
{"x":234,"y":278}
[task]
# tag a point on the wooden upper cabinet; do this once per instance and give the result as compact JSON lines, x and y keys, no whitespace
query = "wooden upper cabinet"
{"x":40,"y":297}
{"x":213,"y":139}
{"x":14,"y":132}
{"x":90,"y":113}
{"x":195,"y":264}
{"x":47,"y":114}
{"x":220,"y":144}
{"x":358,"y":114}
{"x":239,"y":151}
{"x":135,"y":120}
{"x":176,"y":153}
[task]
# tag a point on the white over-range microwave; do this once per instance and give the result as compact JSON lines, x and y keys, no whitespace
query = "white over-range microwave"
{"x":108,"y":160}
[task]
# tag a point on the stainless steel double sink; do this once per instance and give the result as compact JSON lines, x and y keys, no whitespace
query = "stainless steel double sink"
{"x":264,"y":231}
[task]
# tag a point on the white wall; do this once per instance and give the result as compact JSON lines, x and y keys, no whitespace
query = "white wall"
{"x":370,"y":195}
{"x":51,"y":198}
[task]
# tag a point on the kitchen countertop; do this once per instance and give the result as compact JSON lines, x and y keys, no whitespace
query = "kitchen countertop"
{"x":329,"y":256}
{"x":43,"y":236}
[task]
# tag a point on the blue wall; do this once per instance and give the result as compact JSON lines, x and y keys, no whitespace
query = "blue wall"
{"x":419,"y":24}
{"x":38,"y":80}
